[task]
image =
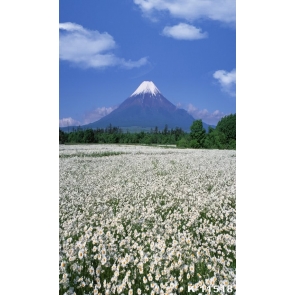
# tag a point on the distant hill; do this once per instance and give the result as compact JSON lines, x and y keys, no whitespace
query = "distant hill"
{"x":146,"y":108}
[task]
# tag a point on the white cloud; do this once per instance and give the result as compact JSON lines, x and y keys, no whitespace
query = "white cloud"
{"x":97,"y":114}
{"x":68,"y":122}
{"x":219,"y":10}
{"x":89,"y":117}
{"x":72,"y":27}
{"x":227,"y":80}
{"x":184,"y":31}
{"x":90,"y":49}
{"x":205,"y":115}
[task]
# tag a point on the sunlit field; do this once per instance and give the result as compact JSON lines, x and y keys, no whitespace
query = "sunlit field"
{"x":146,"y":220}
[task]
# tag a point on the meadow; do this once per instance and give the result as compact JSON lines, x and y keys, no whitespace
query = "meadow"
{"x":146,"y":220}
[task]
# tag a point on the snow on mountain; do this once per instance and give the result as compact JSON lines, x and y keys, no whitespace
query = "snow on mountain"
{"x":146,"y":87}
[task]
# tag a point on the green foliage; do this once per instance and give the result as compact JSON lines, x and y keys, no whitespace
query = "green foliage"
{"x":62,"y":136}
{"x":227,"y":125}
{"x":232,"y":145}
{"x":88,"y":136}
{"x":198,"y":134}
{"x":223,"y":137}
{"x":194,"y":144}
{"x":183,"y":143}
{"x":115,"y":135}
{"x":215,"y":140}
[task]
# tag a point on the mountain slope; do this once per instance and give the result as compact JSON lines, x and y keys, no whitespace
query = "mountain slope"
{"x":146,"y":107}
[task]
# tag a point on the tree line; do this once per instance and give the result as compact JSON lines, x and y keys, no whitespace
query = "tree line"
{"x":221,"y":137}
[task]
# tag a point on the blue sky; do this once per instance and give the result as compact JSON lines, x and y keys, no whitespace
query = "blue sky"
{"x":107,"y":48}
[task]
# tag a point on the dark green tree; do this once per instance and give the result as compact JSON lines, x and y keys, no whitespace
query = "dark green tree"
{"x":215,"y":139}
{"x":197,"y":134}
{"x":183,"y":142}
{"x":62,"y":136}
{"x":79,"y":135}
{"x":88,"y":136}
{"x":227,"y":125}
{"x":165,"y":131}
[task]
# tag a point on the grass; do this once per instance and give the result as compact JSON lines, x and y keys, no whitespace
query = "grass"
{"x":210,"y":187}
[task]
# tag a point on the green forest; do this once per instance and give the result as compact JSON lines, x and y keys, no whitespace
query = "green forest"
{"x":221,"y":137}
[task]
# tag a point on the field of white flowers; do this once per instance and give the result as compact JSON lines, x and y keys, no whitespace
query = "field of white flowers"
{"x":146,"y":220}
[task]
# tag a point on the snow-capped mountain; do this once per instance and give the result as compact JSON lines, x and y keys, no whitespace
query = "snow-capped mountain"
{"x":147,"y":97}
{"x":146,"y":87}
{"x":146,"y":107}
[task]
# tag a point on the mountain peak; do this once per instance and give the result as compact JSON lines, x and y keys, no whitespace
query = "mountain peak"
{"x":146,"y":87}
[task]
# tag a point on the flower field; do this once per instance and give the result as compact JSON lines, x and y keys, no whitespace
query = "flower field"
{"x":146,"y":220}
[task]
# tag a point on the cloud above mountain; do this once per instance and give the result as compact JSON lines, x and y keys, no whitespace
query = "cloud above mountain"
{"x":227,"y":81}
{"x":206,"y":116}
{"x":88,"y":117}
{"x":91,"y":49}
{"x":64,"y":122}
{"x":97,"y":114}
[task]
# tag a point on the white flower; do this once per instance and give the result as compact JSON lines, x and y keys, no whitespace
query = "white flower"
{"x":103,"y":260}
{"x":63,"y":265}
{"x":91,"y":270}
{"x":146,"y":185}
{"x":81,"y":254}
